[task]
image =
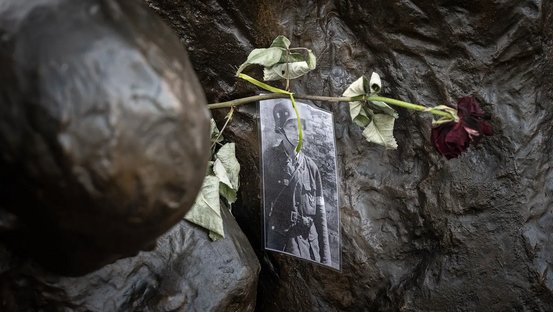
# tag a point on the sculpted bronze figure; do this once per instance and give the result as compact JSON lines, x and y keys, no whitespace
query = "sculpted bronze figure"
{"x":104,"y":134}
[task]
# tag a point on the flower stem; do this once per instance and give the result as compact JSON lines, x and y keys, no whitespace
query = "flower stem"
{"x":282,"y":92}
{"x":395,"y":102}
{"x":408,"y":105}
{"x":298,"y":120}
{"x":228,"y":118}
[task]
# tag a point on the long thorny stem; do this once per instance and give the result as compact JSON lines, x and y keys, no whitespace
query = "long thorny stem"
{"x":390,"y":101}
{"x":279,"y":93}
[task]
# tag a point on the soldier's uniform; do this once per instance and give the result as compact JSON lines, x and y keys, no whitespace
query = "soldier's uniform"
{"x":296,"y":211}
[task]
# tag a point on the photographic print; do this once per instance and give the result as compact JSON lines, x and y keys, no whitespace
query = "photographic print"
{"x":300,"y":195}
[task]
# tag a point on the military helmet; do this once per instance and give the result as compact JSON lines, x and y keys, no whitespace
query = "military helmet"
{"x":282,"y":113}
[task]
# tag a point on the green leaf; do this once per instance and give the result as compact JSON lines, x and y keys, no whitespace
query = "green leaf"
{"x":381,"y":131}
{"x":363,"y":114}
{"x":286,"y":71}
{"x":214,"y":236}
{"x":363,"y":86}
{"x":227,"y":169}
{"x":292,"y":57}
{"x":228,"y":193}
{"x":358,"y":87}
{"x":375,"y":85}
{"x":221,"y":173}
{"x":215,"y":134}
{"x":265,"y":57}
{"x":227,"y":156}
{"x":281,"y":42}
{"x":226,"y":189}
{"x":311,"y":60}
{"x":384,"y":108}
{"x":209,"y":170}
{"x":280,"y":62}
{"x":359,"y":114}
{"x":357,"y":109}
{"x":206,"y":211}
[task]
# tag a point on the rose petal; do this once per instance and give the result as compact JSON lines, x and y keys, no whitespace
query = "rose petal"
{"x":450,"y":139}
{"x":471,"y":132}
{"x":457,"y":139}
{"x":438,"y":137}
{"x":486,"y":128}
{"x":469,"y":107}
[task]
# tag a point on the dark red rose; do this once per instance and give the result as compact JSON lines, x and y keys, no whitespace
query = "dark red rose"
{"x":453,"y":138}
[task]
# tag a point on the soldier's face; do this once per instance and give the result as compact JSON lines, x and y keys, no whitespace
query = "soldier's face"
{"x":291,"y":131}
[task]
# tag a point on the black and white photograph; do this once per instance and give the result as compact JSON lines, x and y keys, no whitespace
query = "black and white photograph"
{"x":300,"y":191}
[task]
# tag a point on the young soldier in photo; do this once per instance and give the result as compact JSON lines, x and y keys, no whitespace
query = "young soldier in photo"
{"x":295,"y":209}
